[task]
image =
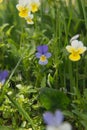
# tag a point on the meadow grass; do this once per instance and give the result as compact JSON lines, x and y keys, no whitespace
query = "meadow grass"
{"x":32,"y":88}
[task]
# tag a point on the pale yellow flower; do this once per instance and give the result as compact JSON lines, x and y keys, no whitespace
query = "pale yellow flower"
{"x":23,"y":11}
{"x":1,"y":1}
{"x":75,"y":49}
{"x":34,"y":5}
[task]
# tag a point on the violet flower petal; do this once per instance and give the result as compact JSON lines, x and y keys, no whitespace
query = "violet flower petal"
{"x":38,"y":55}
{"x":3,"y":75}
{"x":2,"y":82}
{"x":58,"y":117}
{"x":48,"y":118}
{"x":40,"y":49}
{"x":43,"y":63}
{"x":45,"y":49}
{"x":48,"y":54}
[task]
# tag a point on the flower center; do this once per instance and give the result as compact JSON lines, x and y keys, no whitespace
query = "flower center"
{"x":23,"y":12}
{"x":75,"y":52}
{"x":43,"y":58}
{"x":34,"y":7}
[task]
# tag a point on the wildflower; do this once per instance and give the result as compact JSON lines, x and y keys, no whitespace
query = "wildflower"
{"x":34,"y":5}
{"x":23,"y":11}
{"x":75,"y":49}
{"x":3,"y":76}
{"x":55,"y":121}
{"x":29,"y":18}
{"x":43,"y":54}
{"x":25,"y":7}
{"x":1,"y":1}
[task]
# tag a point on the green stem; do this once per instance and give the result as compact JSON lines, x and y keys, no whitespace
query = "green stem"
{"x":21,"y":111}
{"x":84,"y":12}
{"x":85,"y":74}
{"x":76,"y":76}
{"x":76,"y":82}
{"x":4,"y":89}
{"x":71,"y":77}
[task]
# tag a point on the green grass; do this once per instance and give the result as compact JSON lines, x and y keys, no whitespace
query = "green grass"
{"x":54,"y":25}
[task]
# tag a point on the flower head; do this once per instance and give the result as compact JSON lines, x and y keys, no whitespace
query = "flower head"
{"x":1,"y":1}
{"x":3,"y":76}
{"x":43,"y":54}
{"x":34,"y":4}
{"x":23,"y":10}
{"x":55,"y":121}
{"x":25,"y":7}
{"x":75,"y":49}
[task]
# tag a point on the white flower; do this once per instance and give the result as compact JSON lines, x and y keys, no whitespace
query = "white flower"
{"x":24,"y":2}
{"x":34,"y":5}
{"x":76,"y":48}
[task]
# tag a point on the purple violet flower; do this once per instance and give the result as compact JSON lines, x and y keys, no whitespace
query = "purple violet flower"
{"x":3,"y":76}
{"x":43,"y":54}
{"x":55,"y":121}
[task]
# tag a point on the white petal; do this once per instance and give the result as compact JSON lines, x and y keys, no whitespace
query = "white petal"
{"x":65,"y":126}
{"x":80,"y":44}
{"x":74,"y":37}
{"x":51,"y":128}
{"x":75,"y":44}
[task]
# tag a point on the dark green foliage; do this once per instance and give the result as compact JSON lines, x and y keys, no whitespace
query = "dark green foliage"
{"x":52,"y":99}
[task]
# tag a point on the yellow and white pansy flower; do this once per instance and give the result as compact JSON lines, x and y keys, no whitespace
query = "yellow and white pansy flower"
{"x":26,"y":7}
{"x":23,"y":11}
{"x":34,"y":5}
{"x":23,"y":8}
{"x":29,"y":18}
{"x":75,"y":49}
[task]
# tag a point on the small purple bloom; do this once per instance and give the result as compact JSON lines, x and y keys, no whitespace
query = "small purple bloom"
{"x":3,"y":76}
{"x":53,"y":119}
{"x":43,"y":54}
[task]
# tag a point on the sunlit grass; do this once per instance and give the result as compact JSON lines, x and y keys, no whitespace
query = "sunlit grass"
{"x":35,"y":83}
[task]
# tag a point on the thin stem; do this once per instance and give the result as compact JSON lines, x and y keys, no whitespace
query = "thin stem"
{"x":84,"y":12}
{"x":76,"y":76}
{"x":71,"y":77}
{"x":6,"y":84}
{"x":76,"y":82}
{"x":21,"y":111}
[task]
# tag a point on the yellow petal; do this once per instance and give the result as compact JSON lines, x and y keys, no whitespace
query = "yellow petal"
{"x":70,"y":49}
{"x":23,"y":12}
{"x":34,"y":7}
{"x":1,"y":1}
{"x":74,"y":57}
{"x":81,"y":50}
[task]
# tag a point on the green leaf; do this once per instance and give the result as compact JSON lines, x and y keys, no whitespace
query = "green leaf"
{"x":3,"y":27}
{"x":52,"y":99}
{"x":8,"y":32}
{"x":5,"y":128}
